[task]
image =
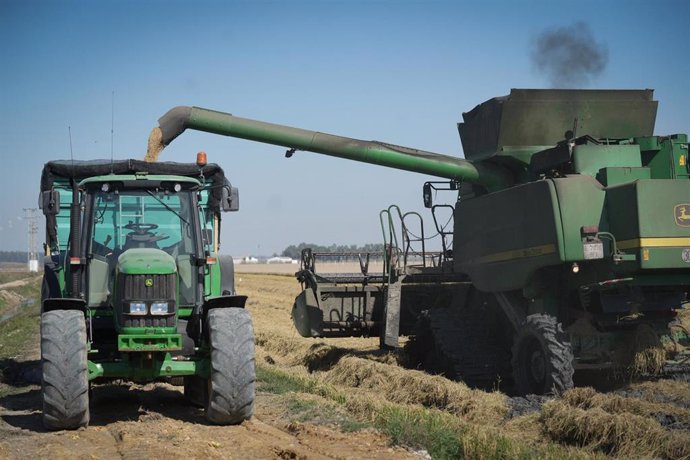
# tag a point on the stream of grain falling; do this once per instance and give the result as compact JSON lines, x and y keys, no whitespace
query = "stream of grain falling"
{"x":155,"y":145}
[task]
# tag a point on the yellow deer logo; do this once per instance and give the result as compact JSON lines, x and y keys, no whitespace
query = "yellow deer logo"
{"x":682,"y":215}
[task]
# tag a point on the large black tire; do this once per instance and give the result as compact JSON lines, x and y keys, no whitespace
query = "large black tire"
{"x":65,"y":379}
{"x":231,"y":386}
{"x":542,"y":357}
{"x":463,"y":341}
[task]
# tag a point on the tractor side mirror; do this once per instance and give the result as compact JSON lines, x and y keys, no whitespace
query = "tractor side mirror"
{"x":49,"y":202}
{"x":427,"y":195}
{"x":230,"y":200}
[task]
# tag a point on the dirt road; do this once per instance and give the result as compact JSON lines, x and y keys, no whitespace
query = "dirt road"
{"x":155,"y":421}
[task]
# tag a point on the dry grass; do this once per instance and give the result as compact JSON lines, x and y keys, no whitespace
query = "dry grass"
{"x":408,"y":405}
{"x":665,"y":390}
{"x":649,"y":361}
{"x":596,"y":428}
{"x":405,"y":386}
{"x":588,"y":398}
{"x":615,"y":424}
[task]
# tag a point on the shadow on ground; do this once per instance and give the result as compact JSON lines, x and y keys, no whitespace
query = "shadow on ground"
{"x":109,"y":402}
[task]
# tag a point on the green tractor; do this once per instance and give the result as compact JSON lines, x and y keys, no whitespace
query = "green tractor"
{"x":566,"y":248}
{"x":134,"y":289}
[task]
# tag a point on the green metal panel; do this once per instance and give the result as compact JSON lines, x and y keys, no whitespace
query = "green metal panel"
{"x":622,"y":211}
{"x":521,"y":231}
{"x":646,"y":217}
{"x":184,"y":312}
{"x":149,"y":342}
{"x":590,"y":159}
{"x":146,"y":261}
{"x":213,"y":278}
{"x":161,"y":365}
{"x":581,"y":202}
{"x":667,"y":157}
{"x":657,"y":201}
{"x":615,"y":176}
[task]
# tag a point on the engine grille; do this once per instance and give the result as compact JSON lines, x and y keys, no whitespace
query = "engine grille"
{"x":135,"y":288}
{"x":147,"y":288}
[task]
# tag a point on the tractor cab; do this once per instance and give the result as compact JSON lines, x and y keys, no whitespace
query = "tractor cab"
{"x":153,"y":218}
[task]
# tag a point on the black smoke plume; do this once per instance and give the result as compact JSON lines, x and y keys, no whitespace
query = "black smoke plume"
{"x":569,"y":56}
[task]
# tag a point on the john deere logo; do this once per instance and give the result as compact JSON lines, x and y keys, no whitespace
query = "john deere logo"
{"x":682,"y":214}
{"x":148,"y":282}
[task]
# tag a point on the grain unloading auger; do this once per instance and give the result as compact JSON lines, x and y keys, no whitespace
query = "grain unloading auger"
{"x":173,"y":123}
{"x":570,"y":248}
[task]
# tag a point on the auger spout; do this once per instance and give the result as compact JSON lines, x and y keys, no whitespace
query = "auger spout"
{"x":175,"y":121}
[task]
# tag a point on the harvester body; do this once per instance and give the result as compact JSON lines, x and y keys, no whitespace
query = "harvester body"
{"x":133,"y":286}
{"x":570,"y":247}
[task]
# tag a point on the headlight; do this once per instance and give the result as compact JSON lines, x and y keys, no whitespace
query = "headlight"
{"x":159,"y":308}
{"x":137,"y":308}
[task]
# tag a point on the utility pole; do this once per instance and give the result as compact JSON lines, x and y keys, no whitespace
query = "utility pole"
{"x":32,"y":229}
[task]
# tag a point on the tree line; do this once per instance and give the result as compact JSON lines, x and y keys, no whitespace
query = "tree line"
{"x":295,"y":251}
{"x":13,"y":256}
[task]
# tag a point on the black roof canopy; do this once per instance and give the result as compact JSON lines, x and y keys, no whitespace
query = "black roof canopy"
{"x":82,"y":169}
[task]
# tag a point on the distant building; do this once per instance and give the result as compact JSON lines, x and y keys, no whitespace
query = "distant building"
{"x":281,"y":260}
{"x":246,"y":260}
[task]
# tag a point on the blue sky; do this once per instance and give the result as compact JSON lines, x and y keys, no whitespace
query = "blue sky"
{"x":401,"y":72}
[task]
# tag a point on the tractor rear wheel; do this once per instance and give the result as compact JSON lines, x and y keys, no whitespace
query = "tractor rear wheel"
{"x":65,"y":379}
{"x":231,"y":386}
{"x":542,"y":357}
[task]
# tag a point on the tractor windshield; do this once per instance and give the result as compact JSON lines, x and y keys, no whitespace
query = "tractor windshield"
{"x":142,"y":219}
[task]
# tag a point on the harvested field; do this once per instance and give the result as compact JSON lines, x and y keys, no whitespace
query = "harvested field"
{"x":344,"y":398}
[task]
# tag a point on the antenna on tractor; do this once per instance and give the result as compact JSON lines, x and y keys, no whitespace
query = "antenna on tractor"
{"x":112,"y":128}
{"x":71,"y":152}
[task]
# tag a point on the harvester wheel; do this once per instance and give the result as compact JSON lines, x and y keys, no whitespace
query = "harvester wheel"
{"x":231,"y":386}
{"x":542,"y":357}
{"x":65,"y":372}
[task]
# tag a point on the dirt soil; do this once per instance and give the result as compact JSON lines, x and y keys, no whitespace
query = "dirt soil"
{"x":341,"y":393}
{"x":155,"y":421}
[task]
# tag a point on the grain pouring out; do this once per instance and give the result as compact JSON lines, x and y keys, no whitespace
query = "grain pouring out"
{"x":155,"y":145}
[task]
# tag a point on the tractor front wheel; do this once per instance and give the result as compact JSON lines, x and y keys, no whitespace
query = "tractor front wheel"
{"x":231,"y":384}
{"x":542,"y":357}
{"x":65,"y":379}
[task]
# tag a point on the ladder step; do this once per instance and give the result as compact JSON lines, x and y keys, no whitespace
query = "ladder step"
{"x":392,"y":331}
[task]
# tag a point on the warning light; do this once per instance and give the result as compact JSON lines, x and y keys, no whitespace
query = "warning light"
{"x":201,"y":159}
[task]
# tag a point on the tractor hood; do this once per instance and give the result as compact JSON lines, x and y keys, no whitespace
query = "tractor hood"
{"x":146,"y":261}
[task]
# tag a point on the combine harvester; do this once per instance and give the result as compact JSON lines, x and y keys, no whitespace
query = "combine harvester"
{"x":570,"y":247}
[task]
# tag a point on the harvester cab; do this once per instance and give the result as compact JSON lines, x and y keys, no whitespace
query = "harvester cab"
{"x":134,"y":288}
